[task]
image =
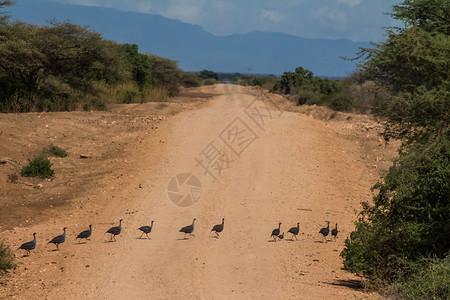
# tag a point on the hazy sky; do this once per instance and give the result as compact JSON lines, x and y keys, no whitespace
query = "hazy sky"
{"x":357,"y":20}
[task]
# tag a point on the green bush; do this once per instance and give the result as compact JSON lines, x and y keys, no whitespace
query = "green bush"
{"x":339,"y":102}
{"x":190,"y":80}
{"x":53,"y":150}
{"x":38,"y":167}
{"x":308,"y":98}
{"x":210,"y":82}
{"x":430,"y":279}
{"x":6,"y":258}
{"x":408,"y":219}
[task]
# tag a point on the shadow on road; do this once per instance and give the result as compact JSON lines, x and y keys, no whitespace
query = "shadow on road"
{"x":353,"y":284}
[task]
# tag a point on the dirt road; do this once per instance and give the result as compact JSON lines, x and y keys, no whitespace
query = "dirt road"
{"x":258,"y":164}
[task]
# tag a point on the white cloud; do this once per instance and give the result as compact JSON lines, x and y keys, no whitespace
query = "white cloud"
{"x":145,"y":7}
{"x":354,"y":19}
{"x":271,"y":16}
{"x":330,"y":17}
{"x":350,"y":2}
{"x":185,"y":11}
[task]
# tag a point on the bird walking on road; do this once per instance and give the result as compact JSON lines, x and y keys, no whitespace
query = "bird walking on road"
{"x":295,"y":231}
{"x":28,"y":246}
{"x":115,"y":231}
{"x":146,"y":230}
{"x":85,"y":234}
{"x":281,"y":236}
{"x":218,"y":228}
{"x":188,"y":229}
{"x":276,"y":232}
{"x":59,"y":239}
{"x":325,"y":231}
{"x":334,"y":233}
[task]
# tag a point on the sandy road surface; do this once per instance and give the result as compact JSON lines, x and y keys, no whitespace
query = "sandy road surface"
{"x":291,"y":168}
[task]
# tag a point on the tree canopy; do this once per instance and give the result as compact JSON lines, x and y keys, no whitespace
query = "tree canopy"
{"x":408,"y":219}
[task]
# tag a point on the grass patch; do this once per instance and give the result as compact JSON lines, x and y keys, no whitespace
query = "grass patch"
{"x":6,"y":258}
{"x":53,"y":150}
{"x":431,"y":280}
{"x":38,"y":167}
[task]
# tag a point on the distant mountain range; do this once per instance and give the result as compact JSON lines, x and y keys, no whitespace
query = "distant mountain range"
{"x":196,"y":49}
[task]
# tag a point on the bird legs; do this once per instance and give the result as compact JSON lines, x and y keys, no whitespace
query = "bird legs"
{"x":187,"y":233}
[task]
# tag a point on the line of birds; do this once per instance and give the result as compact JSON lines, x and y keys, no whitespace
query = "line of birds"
{"x":114,"y":231}
{"x":276,"y":233}
{"x":326,"y":231}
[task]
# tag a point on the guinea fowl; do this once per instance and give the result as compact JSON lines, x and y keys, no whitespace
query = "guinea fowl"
{"x":115,"y":230}
{"x":276,"y":232}
{"x":218,"y":228}
{"x":85,"y":234}
{"x":325,"y":231}
{"x":188,"y":229}
{"x":146,"y":230}
{"x":59,"y":239}
{"x":281,"y":236}
{"x":28,"y":246}
{"x":334,"y":233}
{"x":295,"y":231}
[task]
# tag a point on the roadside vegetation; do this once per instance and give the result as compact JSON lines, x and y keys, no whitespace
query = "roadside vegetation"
{"x":38,"y":167}
{"x":6,"y":258}
{"x":53,"y":150}
{"x":402,"y":238}
{"x":350,"y":94}
{"x":64,"y":66}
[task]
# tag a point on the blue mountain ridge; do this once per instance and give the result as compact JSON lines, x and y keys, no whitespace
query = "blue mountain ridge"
{"x":194,"y":48}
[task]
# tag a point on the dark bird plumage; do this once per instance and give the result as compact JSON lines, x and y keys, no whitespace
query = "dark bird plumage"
{"x":28,"y":246}
{"x":334,"y":232}
{"x":325,"y":231}
{"x":276,"y":232}
{"x":59,"y":239}
{"x":218,"y":228}
{"x":295,"y":231}
{"x":188,"y":229}
{"x":146,"y":229}
{"x":115,"y":230}
{"x":85,"y":234}
{"x":281,"y":236}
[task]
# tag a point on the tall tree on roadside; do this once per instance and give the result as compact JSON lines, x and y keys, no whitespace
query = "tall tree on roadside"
{"x":42,"y":65}
{"x":409,"y":217}
{"x":414,"y":63}
{"x":4,"y":15}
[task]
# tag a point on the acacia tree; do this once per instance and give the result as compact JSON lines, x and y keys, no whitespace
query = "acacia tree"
{"x":3,"y":15}
{"x":414,"y":63}
{"x":42,"y":65}
{"x":408,"y":219}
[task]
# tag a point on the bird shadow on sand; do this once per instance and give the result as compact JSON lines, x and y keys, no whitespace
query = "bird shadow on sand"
{"x":110,"y":241}
{"x":213,"y":237}
{"x":143,"y":238}
{"x":291,"y":240}
{"x":353,"y":284}
{"x":321,"y":242}
{"x":271,"y":241}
